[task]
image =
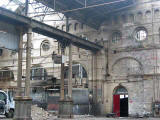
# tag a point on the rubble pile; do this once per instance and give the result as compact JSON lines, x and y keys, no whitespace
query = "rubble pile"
{"x":38,"y":113}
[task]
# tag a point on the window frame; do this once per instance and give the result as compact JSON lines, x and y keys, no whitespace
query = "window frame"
{"x":46,"y":42}
{"x":116,"y":33}
{"x":138,"y":29}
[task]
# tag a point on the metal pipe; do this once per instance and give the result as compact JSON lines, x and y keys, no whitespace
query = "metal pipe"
{"x":19,"y":75}
{"x":28,"y":62}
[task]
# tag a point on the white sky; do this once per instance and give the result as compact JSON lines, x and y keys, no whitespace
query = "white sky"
{"x":11,"y":5}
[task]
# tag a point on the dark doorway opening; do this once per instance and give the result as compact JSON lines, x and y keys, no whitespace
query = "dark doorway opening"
{"x":120,"y":102}
{"x":124,"y":106}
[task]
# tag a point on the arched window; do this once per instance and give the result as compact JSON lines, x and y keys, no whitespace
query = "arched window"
{"x":76,"y":26}
{"x":38,"y":73}
{"x":156,"y":13}
{"x":148,"y":14}
{"x":120,"y":90}
{"x":45,"y":45}
{"x":57,"y":27}
{"x":69,"y":27}
{"x":63,"y":27}
{"x":139,"y":16}
{"x":82,"y":25}
{"x":6,"y":74}
{"x":116,"y":36}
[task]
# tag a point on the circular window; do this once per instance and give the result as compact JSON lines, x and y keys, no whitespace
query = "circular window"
{"x":45,"y":45}
{"x":116,"y":36}
{"x":140,"y":34}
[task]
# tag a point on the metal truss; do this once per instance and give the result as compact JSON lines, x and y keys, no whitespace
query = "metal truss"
{"x":36,"y":10}
{"x":43,"y":13}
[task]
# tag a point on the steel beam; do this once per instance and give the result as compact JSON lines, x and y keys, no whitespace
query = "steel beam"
{"x":47,"y":30}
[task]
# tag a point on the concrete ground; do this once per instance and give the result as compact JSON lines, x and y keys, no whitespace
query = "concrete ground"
{"x":89,"y":118}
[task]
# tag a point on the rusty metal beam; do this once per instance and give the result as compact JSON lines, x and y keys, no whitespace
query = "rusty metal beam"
{"x":47,"y":30}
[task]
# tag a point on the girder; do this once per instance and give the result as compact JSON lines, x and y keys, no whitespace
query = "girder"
{"x":47,"y":30}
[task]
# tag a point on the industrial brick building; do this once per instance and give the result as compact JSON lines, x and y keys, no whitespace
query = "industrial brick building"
{"x":123,"y":77}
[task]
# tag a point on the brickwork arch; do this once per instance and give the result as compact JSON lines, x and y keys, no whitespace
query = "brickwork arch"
{"x":117,"y":87}
{"x":127,"y":65}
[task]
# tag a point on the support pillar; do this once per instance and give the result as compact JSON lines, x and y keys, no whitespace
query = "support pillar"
{"x":28,"y":63}
{"x":20,"y":57}
{"x":94,"y":104}
{"x":66,"y":103}
{"x":23,"y":104}
{"x":27,"y":99}
{"x":70,"y":73}
{"x":18,"y":97}
{"x":62,"y":73}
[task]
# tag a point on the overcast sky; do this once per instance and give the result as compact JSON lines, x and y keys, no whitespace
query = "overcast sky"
{"x":11,"y":5}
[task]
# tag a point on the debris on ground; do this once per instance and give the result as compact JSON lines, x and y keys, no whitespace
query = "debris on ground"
{"x":38,"y":113}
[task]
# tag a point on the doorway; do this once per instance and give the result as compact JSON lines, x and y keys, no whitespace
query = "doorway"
{"x":120,"y":102}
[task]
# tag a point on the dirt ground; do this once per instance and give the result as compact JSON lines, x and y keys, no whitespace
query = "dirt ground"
{"x":40,"y":114}
{"x":90,"y":118}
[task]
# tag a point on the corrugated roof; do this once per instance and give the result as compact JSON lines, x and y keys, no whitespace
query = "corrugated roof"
{"x":90,"y":12}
